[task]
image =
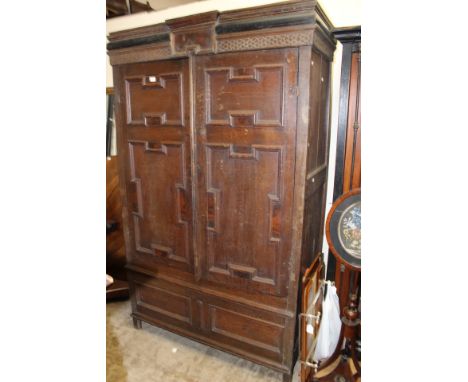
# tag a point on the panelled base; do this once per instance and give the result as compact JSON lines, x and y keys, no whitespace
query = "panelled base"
{"x":246,"y":331}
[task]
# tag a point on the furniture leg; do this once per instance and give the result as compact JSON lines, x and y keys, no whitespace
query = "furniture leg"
{"x":137,"y":323}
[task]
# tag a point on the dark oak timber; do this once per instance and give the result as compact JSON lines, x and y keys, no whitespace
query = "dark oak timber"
{"x":350,"y":37}
{"x":223,"y":130}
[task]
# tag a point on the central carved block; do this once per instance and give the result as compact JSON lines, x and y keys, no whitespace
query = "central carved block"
{"x":195,"y":33}
{"x":198,"y":41}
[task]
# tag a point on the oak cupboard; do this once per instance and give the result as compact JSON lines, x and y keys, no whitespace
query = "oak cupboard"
{"x":223,"y":128}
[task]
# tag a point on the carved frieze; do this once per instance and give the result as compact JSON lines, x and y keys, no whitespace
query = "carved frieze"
{"x":271,"y":39}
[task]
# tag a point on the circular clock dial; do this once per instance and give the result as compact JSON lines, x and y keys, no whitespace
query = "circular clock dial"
{"x":343,"y":229}
{"x":349,"y":230}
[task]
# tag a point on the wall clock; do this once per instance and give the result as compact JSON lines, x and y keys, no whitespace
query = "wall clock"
{"x":343,"y":229}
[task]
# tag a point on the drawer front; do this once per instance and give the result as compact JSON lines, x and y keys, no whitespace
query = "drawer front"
{"x":162,"y":304}
{"x":250,"y":332}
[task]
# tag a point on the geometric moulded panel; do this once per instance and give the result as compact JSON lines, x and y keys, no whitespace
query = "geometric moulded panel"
{"x":159,"y":208}
{"x":155,"y":301}
{"x":239,"y":326}
{"x":244,"y":213}
{"x":262,"y":101}
{"x":154,"y":100}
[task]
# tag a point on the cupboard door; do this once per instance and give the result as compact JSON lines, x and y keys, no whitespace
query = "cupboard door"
{"x":245,"y":131}
{"x":154,"y":140}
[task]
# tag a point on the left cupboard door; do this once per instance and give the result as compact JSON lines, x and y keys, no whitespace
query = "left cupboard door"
{"x":154,"y":142}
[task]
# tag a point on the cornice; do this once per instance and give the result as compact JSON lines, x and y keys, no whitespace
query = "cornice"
{"x":193,"y":20}
{"x":285,"y":24}
{"x":146,"y":31}
{"x":299,"y":7}
{"x":348,"y":34}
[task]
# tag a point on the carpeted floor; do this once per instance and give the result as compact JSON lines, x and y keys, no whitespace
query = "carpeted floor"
{"x":156,"y":355}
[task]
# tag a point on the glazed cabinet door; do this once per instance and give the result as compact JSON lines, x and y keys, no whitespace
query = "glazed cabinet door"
{"x":245,"y":106}
{"x":154,"y":145}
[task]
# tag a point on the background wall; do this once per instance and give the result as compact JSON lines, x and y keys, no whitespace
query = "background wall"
{"x":341,"y":13}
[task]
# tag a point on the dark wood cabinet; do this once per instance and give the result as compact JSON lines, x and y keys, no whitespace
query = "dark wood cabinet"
{"x":348,"y":146}
{"x":223,"y":126}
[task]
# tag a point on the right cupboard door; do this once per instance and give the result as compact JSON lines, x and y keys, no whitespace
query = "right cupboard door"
{"x":245,"y":138}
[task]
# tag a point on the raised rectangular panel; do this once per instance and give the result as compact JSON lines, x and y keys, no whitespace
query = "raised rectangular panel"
{"x":247,"y":248}
{"x":160,"y":206}
{"x":151,"y":300}
{"x":250,"y":330}
{"x":262,"y":101}
{"x":155,"y":99}
{"x":318,"y":112}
